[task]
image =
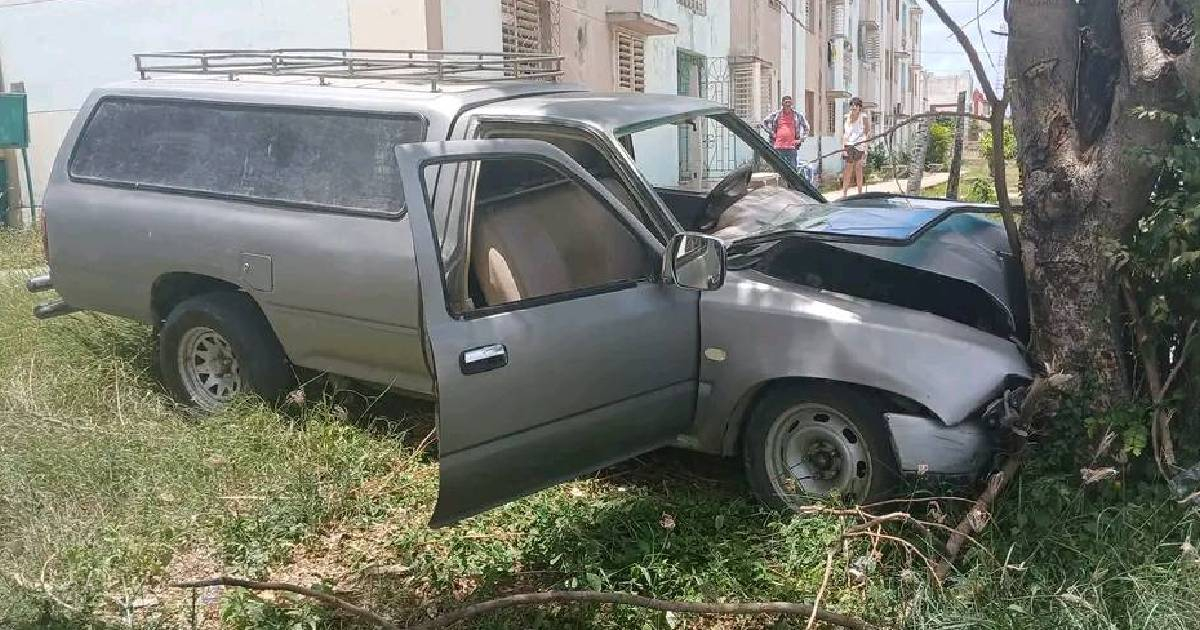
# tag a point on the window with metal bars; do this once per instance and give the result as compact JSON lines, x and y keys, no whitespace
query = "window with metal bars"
{"x":629,"y":63}
{"x":837,"y":18}
{"x":868,"y":40}
{"x":522,"y":28}
{"x":742,"y":75}
{"x":832,"y":121}
{"x":744,"y":86}
{"x":699,"y":7}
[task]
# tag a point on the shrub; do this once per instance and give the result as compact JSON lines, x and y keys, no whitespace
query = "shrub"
{"x":1010,"y":142}
{"x":937,"y":148}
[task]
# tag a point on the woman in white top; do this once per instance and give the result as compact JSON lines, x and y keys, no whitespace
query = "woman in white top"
{"x":855,"y":132}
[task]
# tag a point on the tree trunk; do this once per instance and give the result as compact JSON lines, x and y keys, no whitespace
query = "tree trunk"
{"x":1079,"y":74}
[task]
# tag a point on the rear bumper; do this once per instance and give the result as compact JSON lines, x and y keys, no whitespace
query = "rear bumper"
{"x":926,"y":446}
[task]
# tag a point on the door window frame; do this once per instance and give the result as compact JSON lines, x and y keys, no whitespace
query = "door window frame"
{"x":639,"y":232}
{"x":662,"y":224}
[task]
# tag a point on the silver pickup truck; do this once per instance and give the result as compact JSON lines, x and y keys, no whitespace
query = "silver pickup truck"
{"x":575,"y":277}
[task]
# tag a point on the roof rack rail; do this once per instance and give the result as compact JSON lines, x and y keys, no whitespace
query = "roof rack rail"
{"x":432,"y":66}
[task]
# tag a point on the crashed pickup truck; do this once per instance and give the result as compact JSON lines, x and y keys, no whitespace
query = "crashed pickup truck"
{"x":575,"y":277}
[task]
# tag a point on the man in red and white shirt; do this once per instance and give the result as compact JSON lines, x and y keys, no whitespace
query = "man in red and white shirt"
{"x":786,"y":130}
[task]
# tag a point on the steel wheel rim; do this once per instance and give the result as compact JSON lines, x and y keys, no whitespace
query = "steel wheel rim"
{"x":814,"y":451}
{"x":208,"y":368}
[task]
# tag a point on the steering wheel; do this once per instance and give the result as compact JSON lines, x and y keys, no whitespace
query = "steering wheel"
{"x":732,"y":187}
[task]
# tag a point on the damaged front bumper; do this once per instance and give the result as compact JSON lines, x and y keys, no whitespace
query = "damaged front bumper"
{"x":927,"y":446}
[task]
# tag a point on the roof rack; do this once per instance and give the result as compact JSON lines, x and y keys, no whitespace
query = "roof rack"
{"x":432,"y":66}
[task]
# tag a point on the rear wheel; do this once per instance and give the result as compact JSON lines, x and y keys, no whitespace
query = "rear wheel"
{"x":217,"y":346}
{"x":812,"y":441}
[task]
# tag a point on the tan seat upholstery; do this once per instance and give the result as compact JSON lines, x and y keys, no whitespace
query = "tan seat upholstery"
{"x":549,"y":241}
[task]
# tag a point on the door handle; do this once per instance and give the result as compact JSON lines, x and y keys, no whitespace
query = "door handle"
{"x":483,"y":358}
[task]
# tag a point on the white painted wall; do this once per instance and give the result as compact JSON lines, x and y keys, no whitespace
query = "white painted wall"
{"x":61,"y":49}
{"x":471,"y":25}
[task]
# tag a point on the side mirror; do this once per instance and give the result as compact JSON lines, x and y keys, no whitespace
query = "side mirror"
{"x":695,"y":261}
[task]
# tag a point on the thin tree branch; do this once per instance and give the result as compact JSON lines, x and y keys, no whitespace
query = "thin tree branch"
{"x":968,"y":48}
{"x":812,"y":617}
{"x":998,"y":105}
{"x":908,"y":121}
{"x":979,"y":15}
{"x":547,"y":597}
{"x":1000,"y":179}
{"x":325,"y":598}
{"x":1179,"y":363}
{"x":596,"y":597}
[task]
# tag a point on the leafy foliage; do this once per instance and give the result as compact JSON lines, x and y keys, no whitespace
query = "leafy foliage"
{"x":1010,"y":142}
{"x":876,"y":157}
{"x":941,"y":137}
{"x":1161,"y":262}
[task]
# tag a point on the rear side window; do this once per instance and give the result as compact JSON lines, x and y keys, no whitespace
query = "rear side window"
{"x":341,"y":160}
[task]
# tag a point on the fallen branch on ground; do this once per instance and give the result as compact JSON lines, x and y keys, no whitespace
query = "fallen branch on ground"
{"x":326,"y":598}
{"x":978,"y":516}
{"x":547,"y":597}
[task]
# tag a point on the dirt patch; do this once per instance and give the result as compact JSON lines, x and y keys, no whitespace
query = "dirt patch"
{"x":163,"y":605}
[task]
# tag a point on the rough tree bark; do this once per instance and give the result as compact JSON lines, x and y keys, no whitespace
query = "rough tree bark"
{"x":1079,"y":73}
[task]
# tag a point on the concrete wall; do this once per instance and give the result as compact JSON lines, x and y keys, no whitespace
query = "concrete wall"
{"x":61,"y":49}
{"x":391,"y":23}
{"x":585,"y":40}
{"x":943,"y":89}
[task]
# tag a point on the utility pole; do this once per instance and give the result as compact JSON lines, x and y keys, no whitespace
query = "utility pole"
{"x":917,"y":163}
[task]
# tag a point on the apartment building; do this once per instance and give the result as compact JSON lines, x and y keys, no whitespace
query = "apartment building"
{"x":742,"y":53}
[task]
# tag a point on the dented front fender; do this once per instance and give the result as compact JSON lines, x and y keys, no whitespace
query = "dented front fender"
{"x":757,"y":329}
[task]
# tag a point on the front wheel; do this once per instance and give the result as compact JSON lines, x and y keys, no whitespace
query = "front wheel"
{"x":812,"y":441}
{"x":217,"y":346}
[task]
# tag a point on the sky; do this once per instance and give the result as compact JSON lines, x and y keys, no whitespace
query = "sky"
{"x":940,"y":52}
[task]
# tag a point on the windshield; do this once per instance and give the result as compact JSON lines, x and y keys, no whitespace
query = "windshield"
{"x":719,"y":176}
{"x":696,"y":152}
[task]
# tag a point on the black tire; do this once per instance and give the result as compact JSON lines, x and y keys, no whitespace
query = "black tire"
{"x":861,"y":410}
{"x":263,"y":368}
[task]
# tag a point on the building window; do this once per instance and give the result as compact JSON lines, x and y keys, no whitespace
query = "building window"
{"x":522,"y":28}
{"x":699,"y":7}
{"x":630,"y":61}
{"x":868,"y":41}
{"x":831,"y":129}
{"x":746,"y":85}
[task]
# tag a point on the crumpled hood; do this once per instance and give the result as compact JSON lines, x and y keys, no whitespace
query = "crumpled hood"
{"x":951,"y":239}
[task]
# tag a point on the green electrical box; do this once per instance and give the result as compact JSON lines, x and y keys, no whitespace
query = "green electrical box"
{"x":14,"y":121}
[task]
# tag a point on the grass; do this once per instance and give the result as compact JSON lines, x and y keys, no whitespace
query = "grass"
{"x":20,"y":249}
{"x":975,"y":169}
{"x":109,"y":491}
